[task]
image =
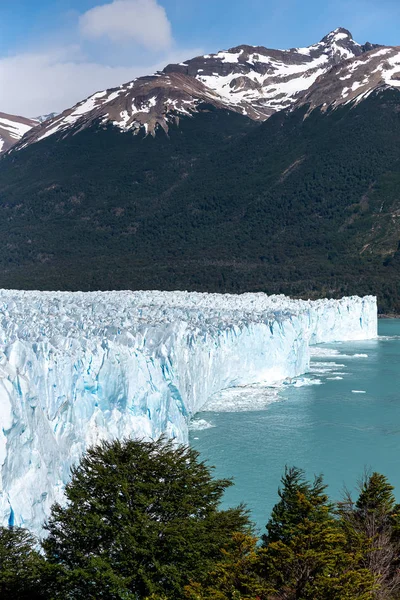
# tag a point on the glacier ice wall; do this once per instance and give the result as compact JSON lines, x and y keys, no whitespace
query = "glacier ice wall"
{"x":76,"y":368}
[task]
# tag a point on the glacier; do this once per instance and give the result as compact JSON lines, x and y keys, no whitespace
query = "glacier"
{"x":76,"y":368}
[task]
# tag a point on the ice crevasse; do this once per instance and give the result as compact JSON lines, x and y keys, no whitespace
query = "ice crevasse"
{"x":76,"y":368}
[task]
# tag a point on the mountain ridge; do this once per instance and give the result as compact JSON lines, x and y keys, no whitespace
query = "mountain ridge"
{"x":252,"y":80}
{"x":351,"y":81}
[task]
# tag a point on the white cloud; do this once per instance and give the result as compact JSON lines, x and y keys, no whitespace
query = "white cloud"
{"x":34,"y":84}
{"x":38,"y":83}
{"x":51,"y":79}
{"x":142,"y":21}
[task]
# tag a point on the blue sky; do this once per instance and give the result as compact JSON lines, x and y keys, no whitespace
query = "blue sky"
{"x":55,"y":52}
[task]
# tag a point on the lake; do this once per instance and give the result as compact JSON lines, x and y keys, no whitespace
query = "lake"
{"x":340,"y":419}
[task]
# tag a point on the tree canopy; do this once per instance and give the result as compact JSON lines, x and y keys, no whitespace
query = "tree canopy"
{"x":141,"y":518}
{"x":21,"y":566}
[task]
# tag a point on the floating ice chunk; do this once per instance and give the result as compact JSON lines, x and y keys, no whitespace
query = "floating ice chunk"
{"x":245,"y":399}
{"x":318,"y":351}
{"x":305,"y":381}
{"x":200,"y":425}
{"x":353,"y":356}
{"x":324,"y":367}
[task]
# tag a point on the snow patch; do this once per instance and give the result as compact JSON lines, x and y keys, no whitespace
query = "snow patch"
{"x":15,"y":129}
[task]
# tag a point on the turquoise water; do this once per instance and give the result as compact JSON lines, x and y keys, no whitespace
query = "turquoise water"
{"x":323,"y":426}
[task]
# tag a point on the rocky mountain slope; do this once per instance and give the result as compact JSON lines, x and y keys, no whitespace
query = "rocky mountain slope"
{"x":354,"y":80}
{"x":253,"y":81}
{"x":147,"y":102}
{"x":12,"y":128}
{"x":269,"y":80}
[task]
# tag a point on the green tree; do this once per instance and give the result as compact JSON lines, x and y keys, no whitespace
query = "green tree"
{"x":298,"y":500}
{"x":142,"y":518}
{"x":304,"y":554}
{"x":372,"y":525}
{"x":21,"y":566}
{"x":234,"y":577}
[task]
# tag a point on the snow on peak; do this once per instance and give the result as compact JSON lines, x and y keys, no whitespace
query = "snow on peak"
{"x":355,"y":80}
{"x":43,"y":118}
{"x":339,"y":34}
{"x":252,"y":80}
{"x":268,"y":80}
{"x":146,"y":102}
{"x":12,"y":129}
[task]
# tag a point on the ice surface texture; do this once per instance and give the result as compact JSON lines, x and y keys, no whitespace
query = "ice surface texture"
{"x":76,"y":368}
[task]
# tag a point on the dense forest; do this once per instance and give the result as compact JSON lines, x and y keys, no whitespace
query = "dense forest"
{"x":303,"y":204}
{"x":143,"y":521}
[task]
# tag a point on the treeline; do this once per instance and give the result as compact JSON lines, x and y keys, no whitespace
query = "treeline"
{"x":143,"y":521}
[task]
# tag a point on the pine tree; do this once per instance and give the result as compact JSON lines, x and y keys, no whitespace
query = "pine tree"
{"x":298,"y":500}
{"x":372,"y":525}
{"x":304,"y":554}
{"x":142,"y":518}
{"x":21,"y":566}
{"x":376,"y":496}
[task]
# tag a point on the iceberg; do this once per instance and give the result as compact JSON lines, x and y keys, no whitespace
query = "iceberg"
{"x":76,"y":368}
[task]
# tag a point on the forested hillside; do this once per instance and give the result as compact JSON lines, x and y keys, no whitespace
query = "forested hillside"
{"x":306,"y":204}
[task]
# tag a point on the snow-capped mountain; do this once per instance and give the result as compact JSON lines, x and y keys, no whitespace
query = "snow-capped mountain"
{"x":229,"y":200}
{"x":356,"y":79}
{"x":269,"y":80}
{"x":12,"y":128}
{"x":148,"y":102}
{"x":251,"y":80}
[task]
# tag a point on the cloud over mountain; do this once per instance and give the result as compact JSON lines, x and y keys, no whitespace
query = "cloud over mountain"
{"x":142,"y":21}
{"x":57,"y":74}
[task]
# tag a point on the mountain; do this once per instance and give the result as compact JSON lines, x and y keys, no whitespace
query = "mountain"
{"x":269,"y":80}
{"x":43,"y":118}
{"x":251,"y":80}
{"x":12,"y":129}
{"x":355,"y":80}
{"x":217,"y":192}
{"x":147,"y":102}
